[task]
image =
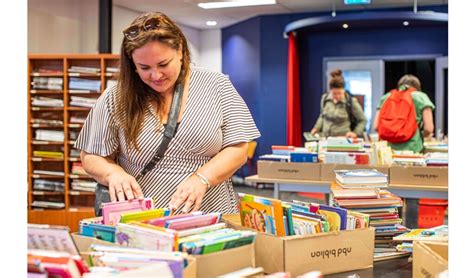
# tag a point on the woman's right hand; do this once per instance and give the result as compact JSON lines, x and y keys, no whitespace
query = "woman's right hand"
{"x":123,"y":186}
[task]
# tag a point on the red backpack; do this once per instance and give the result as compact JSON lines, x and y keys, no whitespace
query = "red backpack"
{"x":397,"y":118}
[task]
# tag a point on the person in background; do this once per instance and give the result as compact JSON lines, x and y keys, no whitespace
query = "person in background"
{"x":423,"y":112}
{"x":340,"y":114}
{"x":124,"y":129}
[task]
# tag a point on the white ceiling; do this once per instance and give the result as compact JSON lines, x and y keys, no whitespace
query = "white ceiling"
{"x":188,"y":13}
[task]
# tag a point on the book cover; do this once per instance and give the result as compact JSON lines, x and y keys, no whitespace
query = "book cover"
{"x":112,"y":211}
{"x":337,"y":217}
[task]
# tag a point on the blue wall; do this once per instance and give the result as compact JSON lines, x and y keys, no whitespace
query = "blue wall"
{"x":255,"y":55}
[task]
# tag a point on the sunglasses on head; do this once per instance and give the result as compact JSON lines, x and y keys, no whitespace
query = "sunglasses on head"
{"x":150,"y":24}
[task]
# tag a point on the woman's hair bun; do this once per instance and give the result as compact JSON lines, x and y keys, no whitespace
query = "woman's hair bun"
{"x":336,"y":72}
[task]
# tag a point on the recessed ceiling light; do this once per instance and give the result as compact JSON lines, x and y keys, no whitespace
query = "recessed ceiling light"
{"x":345,"y":26}
{"x":406,"y":23}
{"x":238,"y":3}
{"x":211,"y":23}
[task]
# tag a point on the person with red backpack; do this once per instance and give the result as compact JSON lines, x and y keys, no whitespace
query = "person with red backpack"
{"x":403,"y":114}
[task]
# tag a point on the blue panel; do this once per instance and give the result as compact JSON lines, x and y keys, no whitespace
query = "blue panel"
{"x":255,"y":56}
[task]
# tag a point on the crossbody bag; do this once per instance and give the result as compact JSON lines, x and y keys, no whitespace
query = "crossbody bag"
{"x":102,"y":192}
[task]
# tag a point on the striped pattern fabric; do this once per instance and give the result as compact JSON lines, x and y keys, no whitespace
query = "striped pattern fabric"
{"x":215,"y":116}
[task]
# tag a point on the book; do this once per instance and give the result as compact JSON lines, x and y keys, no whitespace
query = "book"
{"x":439,"y":233}
{"x":193,"y":222}
{"x":360,"y":176}
{"x":51,"y":237}
{"x":382,"y":256}
{"x":99,"y":231}
{"x":262,"y":214}
{"x":144,"y":215}
{"x":339,"y":192}
{"x":112,"y":211}
{"x":161,"y":221}
{"x":336,"y":217}
{"x":148,"y":238}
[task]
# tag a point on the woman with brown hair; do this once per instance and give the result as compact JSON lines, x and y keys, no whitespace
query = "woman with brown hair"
{"x":340,"y":114}
{"x":126,"y":127}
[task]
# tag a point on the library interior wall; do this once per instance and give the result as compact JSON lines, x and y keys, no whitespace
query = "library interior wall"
{"x":265,"y":49}
{"x":57,"y":26}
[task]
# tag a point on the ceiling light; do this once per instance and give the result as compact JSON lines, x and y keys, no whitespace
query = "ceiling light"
{"x":345,"y":26}
{"x":406,"y":23}
{"x":211,"y":23}
{"x":231,"y":4}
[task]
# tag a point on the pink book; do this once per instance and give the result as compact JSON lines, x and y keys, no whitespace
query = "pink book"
{"x":161,"y":222}
{"x":193,"y":222}
{"x":112,"y":211}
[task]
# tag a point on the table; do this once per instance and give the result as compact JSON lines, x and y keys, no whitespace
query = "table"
{"x":401,"y":190}
{"x":399,"y":267}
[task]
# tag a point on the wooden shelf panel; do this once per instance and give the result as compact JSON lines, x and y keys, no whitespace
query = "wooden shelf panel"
{"x":84,"y":193}
{"x":47,"y":193}
{"x":39,"y":142}
{"x":47,"y":109}
{"x":75,"y":108}
{"x":80,"y":74}
{"x":42,"y":176}
{"x":46,"y":74}
{"x":46,"y":159}
{"x":46,"y":92}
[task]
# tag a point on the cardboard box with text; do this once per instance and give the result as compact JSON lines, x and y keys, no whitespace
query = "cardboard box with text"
{"x":327,"y":252}
{"x":418,"y":175}
{"x":429,"y":258}
{"x":289,"y":170}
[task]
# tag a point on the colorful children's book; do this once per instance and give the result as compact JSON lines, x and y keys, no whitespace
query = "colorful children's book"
{"x":161,"y":221}
{"x":146,"y":238}
{"x":51,"y":237}
{"x":144,"y":215}
{"x":193,"y":221}
{"x":439,"y":233}
{"x":337,"y":217}
{"x":262,"y":214}
{"x":112,"y":211}
{"x":360,"y":176}
{"x":99,"y":231}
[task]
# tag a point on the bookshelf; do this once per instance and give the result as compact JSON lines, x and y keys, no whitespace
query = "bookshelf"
{"x":61,"y":91}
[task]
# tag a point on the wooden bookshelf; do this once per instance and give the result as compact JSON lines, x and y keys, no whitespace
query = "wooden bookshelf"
{"x":49,"y":77}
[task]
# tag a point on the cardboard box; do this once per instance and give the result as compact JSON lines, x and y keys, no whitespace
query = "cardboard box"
{"x":418,"y":175}
{"x":289,"y":170}
{"x":429,"y":258}
{"x":327,"y":169}
{"x":83,"y":243}
{"x":327,"y":252}
{"x":222,"y":262}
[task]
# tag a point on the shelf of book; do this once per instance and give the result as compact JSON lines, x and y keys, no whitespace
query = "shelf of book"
{"x":60,"y":90}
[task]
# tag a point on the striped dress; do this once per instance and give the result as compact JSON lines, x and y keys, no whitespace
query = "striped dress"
{"x":215,"y":116}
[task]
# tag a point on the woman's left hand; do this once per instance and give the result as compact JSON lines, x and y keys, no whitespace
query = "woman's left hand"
{"x":190,"y":192}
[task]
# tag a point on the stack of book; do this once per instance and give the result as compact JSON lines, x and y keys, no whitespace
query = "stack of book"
{"x":81,"y":69}
{"x":364,"y":191}
{"x":48,"y":185}
{"x":48,"y":122}
{"x":341,"y":150}
{"x":76,"y":83}
{"x":76,"y":119}
{"x":48,"y":154}
{"x":437,"y":159}
{"x":82,"y":101}
{"x":47,"y":83}
{"x":290,"y":154}
{"x":83,"y":185}
{"x":49,"y":135}
{"x":47,"y":102}
{"x":408,"y":159}
{"x":296,"y":218}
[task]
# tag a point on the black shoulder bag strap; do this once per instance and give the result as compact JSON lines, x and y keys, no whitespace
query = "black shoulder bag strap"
{"x":102,"y":192}
{"x":350,"y":110}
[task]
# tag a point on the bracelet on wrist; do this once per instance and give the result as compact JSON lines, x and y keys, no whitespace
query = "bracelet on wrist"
{"x":203,"y":179}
